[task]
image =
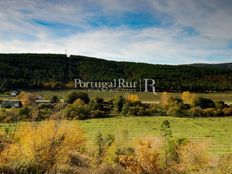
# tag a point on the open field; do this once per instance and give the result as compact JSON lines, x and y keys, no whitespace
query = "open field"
{"x":215,"y":132}
{"x":144,"y":96}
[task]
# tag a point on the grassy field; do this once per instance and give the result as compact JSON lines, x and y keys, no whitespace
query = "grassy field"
{"x":144,"y":96}
{"x":215,"y":132}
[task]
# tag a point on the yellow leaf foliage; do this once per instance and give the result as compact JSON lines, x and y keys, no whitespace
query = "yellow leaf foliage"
{"x":164,"y":99}
{"x":145,"y":159}
{"x":47,"y":143}
{"x":133,"y":98}
{"x":78,"y":102}
{"x":187,"y":97}
{"x":27,"y":98}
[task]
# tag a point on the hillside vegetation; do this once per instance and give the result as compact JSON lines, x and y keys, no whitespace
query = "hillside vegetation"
{"x":51,"y":71}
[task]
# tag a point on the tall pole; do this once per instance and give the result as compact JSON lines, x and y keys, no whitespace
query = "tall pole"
{"x":66,"y":67}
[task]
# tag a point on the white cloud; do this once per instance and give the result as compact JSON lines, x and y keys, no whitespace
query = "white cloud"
{"x":169,"y":44}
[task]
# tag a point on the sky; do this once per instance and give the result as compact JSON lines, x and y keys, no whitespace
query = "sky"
{"x":151,"y":31}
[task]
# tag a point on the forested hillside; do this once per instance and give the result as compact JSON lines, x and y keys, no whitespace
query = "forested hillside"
{"x":220,"y":65}
{"x":51,"y":71}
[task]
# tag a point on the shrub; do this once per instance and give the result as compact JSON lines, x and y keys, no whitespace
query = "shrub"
{"x":176,"y":107}
{"x":78,"y":102}
{"x":99,"y":100}
{"x":187,"y":97}
{"x":41,"y":148}
{"x":76,"y":112}
{"x":145,"y":159}
{"x":224,"y":164}
{"x":24,"y":113}
{"x":98,"y":114}
{"x":209,"y":112}
{"x":133,"y":98}
{"x":220,"y":104}
{"x":194,"y":158}
{"x":43,"y":114}
{"x":27,"y":99}
{"x":103,"y":143}
{"x":133,"y":111}
{"x":45,"y":105}
{"x":72,"y":96}
{"x":227,"y":111}
{"x":164,"y":99}
{"x":54,"y":99}
{"x":204,"y":103}
{"x":118,"y":103}
{"x":157,"y":110}
{"x":109,"y":169}
{"x":195,"y":112}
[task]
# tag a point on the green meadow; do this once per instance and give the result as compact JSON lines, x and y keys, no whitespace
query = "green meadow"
{"x":216,"y":133}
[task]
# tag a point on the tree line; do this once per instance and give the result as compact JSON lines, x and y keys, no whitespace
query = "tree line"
{"x":52,"y":71}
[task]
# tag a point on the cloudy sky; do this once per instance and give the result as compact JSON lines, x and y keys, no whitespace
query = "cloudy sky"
{"x":152,"y":31}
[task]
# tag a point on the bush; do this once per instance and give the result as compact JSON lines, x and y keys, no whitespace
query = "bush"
{"x":45,"y":105}
{"x":78,"y":102}
{"x":224,"y":164}
{"x":98,"y":114}
{"x":24,"y":113}
{"x":54,"y":99}
{"x":209,"y":112}
{"x":227,"y":111}
{"x":164,"y":99}
{"x":133,"y":111}
{"x":220,"y":104}
{"x":157,"y":110}
{"x":145,"y":159}
{"x":204,"y":103}
{"x":76,"y":112}
{"x":133,"y":98}
{"x":194,"y":158}
{"x":99,"y":100}
{"x":72,"y":96}
{"x":41,"y":148}
{"x":43,"y":114}
{"x":187,"y":97}
{"x":108,"y":169}
{"x":118,"y":103}
{"x":27,"y":99}
{"x":176,"y":107}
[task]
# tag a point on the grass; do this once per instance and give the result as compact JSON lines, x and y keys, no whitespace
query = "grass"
{"x":216,"y":132}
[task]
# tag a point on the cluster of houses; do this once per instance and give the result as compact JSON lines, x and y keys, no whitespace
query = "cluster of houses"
{"x":12,"y":102}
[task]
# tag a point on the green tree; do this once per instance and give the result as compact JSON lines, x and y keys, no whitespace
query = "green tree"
{"x":72,"y":96}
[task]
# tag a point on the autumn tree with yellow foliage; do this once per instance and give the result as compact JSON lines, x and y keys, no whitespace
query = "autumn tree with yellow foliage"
{"x":27,"y":99}
{"x":42,"y":147}
{"x":164,"y":99}
{"x":133,"y":98}
{"x":188,"y":97}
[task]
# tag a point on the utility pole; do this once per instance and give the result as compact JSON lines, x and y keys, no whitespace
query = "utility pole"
{"x":66,"y":67}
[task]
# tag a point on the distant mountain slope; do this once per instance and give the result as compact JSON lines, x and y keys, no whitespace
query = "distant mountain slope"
{"x":53,"y":71}
{"x":220,"y":65}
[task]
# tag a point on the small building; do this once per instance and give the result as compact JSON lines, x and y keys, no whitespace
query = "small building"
{"x":14,"y":93}
{"x":10,"y":103}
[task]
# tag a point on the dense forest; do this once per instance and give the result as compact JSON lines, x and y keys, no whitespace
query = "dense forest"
{"x":52,"y":71}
